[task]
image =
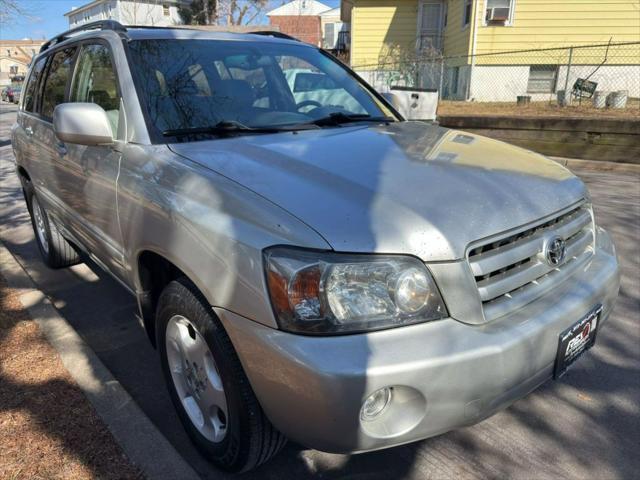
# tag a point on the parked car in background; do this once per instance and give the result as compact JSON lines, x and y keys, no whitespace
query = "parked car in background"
{"x":307,"y":267}
{"x":15,"y":94}
{"x":7,"y":93}
{"x":11,"y":93}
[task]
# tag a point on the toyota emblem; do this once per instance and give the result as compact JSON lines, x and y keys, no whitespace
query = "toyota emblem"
{"x":555,"y":251}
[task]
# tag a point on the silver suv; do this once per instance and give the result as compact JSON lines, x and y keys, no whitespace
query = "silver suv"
{"x":308,"y":264}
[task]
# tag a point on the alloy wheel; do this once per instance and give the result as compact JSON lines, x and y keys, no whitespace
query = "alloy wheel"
{"x":196,"y":378}
{"x":39,"y":220}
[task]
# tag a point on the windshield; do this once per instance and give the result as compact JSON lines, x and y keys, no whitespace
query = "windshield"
{"x":197,"y":84}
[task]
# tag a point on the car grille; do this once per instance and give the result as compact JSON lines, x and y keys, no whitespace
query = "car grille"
{"x":512,"y":271}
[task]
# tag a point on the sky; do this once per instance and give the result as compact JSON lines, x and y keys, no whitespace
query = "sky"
{"x":47,"y":18}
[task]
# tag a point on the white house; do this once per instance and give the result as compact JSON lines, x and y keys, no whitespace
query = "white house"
{"x":300,"y":19}
{"x":331,"y":28}
{"x":128,"y":12}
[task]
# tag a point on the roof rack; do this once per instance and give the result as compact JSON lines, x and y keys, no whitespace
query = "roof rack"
{"x":99,"y":25}
{"x":271,"y":33}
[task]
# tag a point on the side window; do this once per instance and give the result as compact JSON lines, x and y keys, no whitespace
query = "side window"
{"x":56,"y":83}
{"x":32,"y":85}
{"x":95,"y":81}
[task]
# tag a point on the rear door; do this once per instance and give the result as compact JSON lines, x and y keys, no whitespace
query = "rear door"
{"x":27,"y":117}
{"x":45,"y":147}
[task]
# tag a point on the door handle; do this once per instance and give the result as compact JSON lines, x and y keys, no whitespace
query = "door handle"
{"x":61,"y":148}
{"x":28,"y":131}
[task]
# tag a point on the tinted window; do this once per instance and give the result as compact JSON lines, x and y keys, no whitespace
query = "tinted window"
{"x":198,"y":83}
{"x":56,"y":83}
{"x":95,"y":82}
{"x":32,"y":85}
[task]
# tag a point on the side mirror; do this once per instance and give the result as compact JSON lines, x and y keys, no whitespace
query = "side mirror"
{"x":82,"y":123}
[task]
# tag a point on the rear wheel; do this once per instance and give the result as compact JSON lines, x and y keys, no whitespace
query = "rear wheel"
{"x":207,"y":383}
{"x":56,"y":251}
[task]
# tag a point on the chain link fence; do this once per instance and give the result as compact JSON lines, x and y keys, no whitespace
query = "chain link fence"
{"x":601,"y":79}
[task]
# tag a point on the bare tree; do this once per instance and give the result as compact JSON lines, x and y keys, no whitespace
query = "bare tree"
{"x":199,"y":12}
{"x":411,"y":64}
{"x":222,"y":12}
{"x":243,"y":12}
{"x":11,"y":10}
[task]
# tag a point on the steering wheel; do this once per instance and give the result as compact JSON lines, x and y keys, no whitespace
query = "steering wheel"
{"x":308,"y":103}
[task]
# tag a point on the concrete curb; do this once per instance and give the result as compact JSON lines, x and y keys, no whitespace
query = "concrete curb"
{"x":598,"y":165}
{"x":138,"y":437}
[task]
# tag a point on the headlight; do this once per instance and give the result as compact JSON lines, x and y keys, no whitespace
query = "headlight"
{"x":327,"y":293}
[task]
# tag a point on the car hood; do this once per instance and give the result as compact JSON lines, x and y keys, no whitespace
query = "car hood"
{"x":406,"y":187}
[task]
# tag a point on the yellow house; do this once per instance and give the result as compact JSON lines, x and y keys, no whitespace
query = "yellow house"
{"x":475,"y":37}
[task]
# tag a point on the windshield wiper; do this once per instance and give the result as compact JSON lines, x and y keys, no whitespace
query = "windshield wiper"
{"x":340,"y":118}
{"x":223,"y":127}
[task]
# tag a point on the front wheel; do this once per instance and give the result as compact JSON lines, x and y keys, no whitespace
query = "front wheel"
{"x":207,"y":383}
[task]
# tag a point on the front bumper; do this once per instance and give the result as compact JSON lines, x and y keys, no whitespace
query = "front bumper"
{"x":445,"y":374}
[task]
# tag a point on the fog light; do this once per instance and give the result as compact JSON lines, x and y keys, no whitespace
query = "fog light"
{"x":375,"y":404}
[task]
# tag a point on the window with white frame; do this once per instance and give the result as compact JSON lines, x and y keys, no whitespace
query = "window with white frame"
{"x":542,"y":79}
{"x":329,"y":39}
{"x":165,"y":10}
{"x":467,"y":11}
{"x":499,"y":12}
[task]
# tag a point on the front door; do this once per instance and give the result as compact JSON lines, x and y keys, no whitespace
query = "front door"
{"x":431,"y":26}
{"x":91,"y":172}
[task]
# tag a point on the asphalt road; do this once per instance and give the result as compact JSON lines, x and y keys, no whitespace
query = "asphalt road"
{"x":585,"y":426}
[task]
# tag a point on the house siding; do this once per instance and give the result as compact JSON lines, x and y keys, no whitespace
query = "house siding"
{"x":128,"y":12}
{"x":550,"y":24}
{"x":381,"y":28}
{"x":456,"y":37}
{"x":378,"y":26}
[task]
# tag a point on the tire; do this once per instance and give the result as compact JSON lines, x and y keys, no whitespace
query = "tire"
{"x":245,"y":437}
{"x":56,"y":251}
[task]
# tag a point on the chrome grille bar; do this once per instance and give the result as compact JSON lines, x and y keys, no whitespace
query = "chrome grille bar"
{"x":512,"y":271}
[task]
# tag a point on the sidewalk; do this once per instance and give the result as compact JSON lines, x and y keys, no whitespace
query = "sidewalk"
{"x":48,"y":428}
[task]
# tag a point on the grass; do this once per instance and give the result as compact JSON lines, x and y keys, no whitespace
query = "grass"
{"x":48,"y":428}
{"x":538,"y":109}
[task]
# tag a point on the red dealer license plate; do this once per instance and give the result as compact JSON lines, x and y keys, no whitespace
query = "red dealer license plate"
{"x":576,"y":340}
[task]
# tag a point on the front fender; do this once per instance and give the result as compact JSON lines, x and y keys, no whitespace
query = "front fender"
{"x":210,"y":227}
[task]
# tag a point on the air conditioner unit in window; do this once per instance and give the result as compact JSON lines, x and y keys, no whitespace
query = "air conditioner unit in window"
{"x":497,"y":15}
